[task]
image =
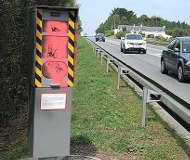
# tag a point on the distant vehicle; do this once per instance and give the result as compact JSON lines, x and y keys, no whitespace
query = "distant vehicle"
{"x":133,"y":43}
{"x":85,"y":34}
{"x":176,"y":58}
{"x":100,"y":37}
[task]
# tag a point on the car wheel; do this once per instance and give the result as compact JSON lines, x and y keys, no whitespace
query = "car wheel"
{"x":125,"y":51}
{"x":144,"y":52}
{"x":164,"y":70}
{"x":180,"y":74}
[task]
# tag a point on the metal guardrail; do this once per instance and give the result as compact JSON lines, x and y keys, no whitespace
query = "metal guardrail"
{"x":172,"y":101}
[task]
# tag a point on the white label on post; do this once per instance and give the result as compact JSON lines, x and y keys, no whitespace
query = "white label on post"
{"x":53,"y":101}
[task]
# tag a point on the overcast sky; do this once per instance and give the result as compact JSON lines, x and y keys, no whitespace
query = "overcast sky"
{"x":94,"y":12}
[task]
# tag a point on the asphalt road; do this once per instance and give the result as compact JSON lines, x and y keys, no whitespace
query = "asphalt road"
{"x":149,"y":65}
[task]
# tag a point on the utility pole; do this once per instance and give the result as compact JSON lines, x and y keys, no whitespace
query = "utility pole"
{"x":114,"y":23}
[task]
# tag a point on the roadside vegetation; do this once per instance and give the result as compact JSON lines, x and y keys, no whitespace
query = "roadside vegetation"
{"x":109,"y":33}
{"x":122,"y":16}
{"x":105,"y":121}
{"x":108,"y":121}
{"x":122,"y":33}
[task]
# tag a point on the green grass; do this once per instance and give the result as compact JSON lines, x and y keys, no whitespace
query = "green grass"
{"x":110,"y":119}
{"x":13,"y":138}
{"x":20,"y":149}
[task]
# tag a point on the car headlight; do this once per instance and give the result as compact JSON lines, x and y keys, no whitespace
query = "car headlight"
{"x":188,"y":63}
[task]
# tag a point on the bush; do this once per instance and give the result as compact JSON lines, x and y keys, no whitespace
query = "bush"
{"x":122,"y":34}
{"x":124,"y":29}
{"x":150,"y":36}
{"x":160,"y":38}
{"x":109,"y":33}
{"x":142,"y":34}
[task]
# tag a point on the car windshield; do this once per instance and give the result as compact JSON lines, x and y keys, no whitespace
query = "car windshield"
{"x":186,"y":46}
{"x":100,"y":34}
{"x":133,"y":37}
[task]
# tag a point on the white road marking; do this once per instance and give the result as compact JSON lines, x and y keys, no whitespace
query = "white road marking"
{"x":155,"y":48}
{"x":156,"y":55}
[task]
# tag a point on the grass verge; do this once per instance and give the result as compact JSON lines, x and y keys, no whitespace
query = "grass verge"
{"x":109,"y":120}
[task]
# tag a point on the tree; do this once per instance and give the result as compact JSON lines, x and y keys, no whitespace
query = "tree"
{"x":65,"y":3}
{"x":118,"y":16}
{"x":123,"y":16}
{"x":144,"y":18}
{"x":123,"y":12}
{"x":117,"y":20}
{"x":124,"y":20}
{"x":100,"y":28}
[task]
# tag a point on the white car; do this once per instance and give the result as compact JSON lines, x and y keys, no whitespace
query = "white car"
{"x":133,"y":43}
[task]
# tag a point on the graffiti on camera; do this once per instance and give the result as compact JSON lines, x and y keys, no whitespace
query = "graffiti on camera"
{"x":51,"y":52}
{"x":55,"y":29}
{"x":58,"y":68}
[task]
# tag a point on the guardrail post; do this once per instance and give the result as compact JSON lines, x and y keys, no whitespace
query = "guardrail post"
{"x":98,"y":52}
{"x":102,"y":55}
{"x":108,"y":62}
{"x":149,"y":96}
{"x":145,"y":93}
{"x":94,"y":49}
{"x":118,"y":77}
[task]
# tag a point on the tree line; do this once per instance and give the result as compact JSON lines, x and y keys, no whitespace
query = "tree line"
{"x":122,"y":16}
{"x":13,"y":56}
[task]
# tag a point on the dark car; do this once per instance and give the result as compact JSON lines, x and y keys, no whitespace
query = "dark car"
{"x":100,"y":37}
{"x":176,"y":58}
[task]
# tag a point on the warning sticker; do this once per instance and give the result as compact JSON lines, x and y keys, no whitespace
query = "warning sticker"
{"x":53,"y":101}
